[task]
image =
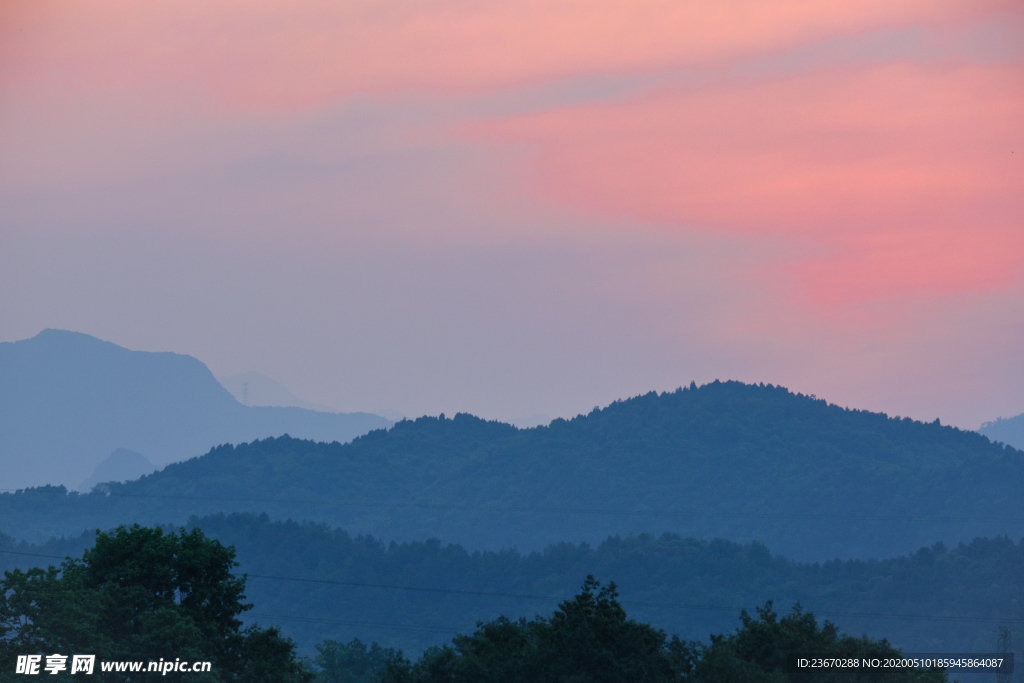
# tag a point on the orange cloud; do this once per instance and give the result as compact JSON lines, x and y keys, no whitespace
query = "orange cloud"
{"x":911,"y":175}
{"x":296,"y":52}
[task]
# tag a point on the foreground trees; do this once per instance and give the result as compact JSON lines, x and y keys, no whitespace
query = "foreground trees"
{"x":141,"y":594}
{"x":758,"y":653}
{"x":354,"y":662}
{"x":144,"y":595}
{"x":589,"y":639}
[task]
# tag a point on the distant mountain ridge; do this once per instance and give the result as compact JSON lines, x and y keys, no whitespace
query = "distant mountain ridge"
{"x":67,"y":400}
{"x":121,"y":465}
{"x":730,"y":460}
{"x":1008,"y":430}
{"x":255,"y":389}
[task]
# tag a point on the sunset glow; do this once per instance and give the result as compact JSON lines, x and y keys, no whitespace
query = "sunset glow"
{"x":740,"y":181}
{"x":907,"y":174}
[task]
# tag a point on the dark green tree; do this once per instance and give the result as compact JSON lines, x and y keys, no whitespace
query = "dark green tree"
{"x":353,"y":662}
{"x":141,"y":594}
{"x":588,"y":639}
{"x":758,"y":653}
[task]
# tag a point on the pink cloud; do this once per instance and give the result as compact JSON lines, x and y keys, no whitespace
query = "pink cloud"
{"x":910,"y":176}
{"x":874,"y":265}
{"x":165,"y":180}
{"x":300,"y":52}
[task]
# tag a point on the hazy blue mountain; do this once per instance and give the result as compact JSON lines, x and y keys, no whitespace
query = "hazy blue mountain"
{"x":729,"y":460}
{"x":530,"y":421}
{"x":67,"y":400}
{"x":935,"y":599}
{"x":1007,"y":430}
{"x":122,"y":465}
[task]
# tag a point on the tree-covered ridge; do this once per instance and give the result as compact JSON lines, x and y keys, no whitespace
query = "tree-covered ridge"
{"x":730,"y":460}
{"x":361,"y":587}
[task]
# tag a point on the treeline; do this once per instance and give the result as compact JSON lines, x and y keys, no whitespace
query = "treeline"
{"x":744,"y":462}
{"x":590,"y":639}
{"x":317,"y":583}
{"x":142,"y":604}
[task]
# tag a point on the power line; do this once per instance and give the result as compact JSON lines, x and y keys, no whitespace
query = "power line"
{"x":553,"y":598}
{"x":453,"y":591}
{"x":556,"y":510}
{"x":373,"y":624}
{"x":641,"y":603}
{"x":14,"y":552}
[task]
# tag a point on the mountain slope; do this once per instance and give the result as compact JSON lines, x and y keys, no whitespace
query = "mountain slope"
{"x":729,"y":460}
{"x":67,"y":400}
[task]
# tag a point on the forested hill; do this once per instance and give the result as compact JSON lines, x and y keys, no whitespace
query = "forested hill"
{"x":729,"y":460}
{"x":329,"y":584}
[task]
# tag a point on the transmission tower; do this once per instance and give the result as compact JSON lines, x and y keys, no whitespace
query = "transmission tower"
{"x":1004,"y":646}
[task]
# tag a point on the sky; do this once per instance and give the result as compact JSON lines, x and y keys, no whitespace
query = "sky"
{"x":524,"y":207}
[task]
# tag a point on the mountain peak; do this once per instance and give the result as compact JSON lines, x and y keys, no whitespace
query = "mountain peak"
{"x":68,"y":399}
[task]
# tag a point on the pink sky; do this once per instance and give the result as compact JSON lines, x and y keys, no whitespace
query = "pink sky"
{"x":527,"y":206}
{"x":906,"y":172}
